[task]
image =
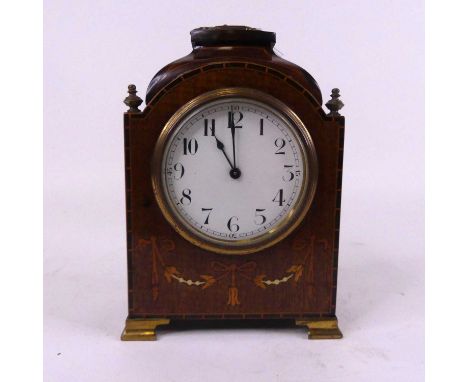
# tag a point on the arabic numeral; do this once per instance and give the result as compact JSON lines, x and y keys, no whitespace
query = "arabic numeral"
{"x":179,"y":169}
{"x":190,"y":146}
{"x":290,"y":174}
{"x":207,"y":216}
{"x":279,"y":198}
{"x":186,"y":198}
{"x":258,"y":215}
{"x":209,"y":129}
{"x":232,"y":226}
{"x":280,"y":143}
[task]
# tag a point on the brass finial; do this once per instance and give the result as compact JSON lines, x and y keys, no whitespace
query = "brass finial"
{"x":133,"y":101}
{"x":335,"y":104}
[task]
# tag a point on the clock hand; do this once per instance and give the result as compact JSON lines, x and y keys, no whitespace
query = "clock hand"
{"x":233,"y":134}
{"x":235,"y":172}
{"x":220,"y":146}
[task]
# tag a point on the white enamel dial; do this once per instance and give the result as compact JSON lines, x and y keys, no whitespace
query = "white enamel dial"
{"x":233,"y":170}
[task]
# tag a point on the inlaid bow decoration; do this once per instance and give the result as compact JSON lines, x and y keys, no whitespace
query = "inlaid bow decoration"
{"x":233,"y":270}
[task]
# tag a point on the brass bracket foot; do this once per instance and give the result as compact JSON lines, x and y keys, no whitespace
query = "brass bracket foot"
{"x":322,"y":328}
{"x":137,"y":329}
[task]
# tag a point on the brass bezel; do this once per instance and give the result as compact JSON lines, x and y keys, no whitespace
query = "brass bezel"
{"x":270,"y":237}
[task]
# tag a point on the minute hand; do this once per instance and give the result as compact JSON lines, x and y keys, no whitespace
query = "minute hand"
{"x":233,"y":134}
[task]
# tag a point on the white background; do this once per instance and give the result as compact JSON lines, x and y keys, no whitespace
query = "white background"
{"x":373,"y":51}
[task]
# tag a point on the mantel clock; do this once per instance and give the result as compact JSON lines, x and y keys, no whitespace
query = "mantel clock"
{"x":233,"y":189}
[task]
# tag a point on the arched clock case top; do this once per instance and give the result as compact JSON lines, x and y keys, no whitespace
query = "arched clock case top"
{"x":290,"y":277}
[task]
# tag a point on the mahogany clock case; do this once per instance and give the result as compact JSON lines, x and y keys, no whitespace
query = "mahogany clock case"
{"x":171,"y":279}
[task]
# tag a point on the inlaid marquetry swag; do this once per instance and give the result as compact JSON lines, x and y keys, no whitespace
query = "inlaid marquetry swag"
{"x":233,"y":108}
{"x":222,"y":274}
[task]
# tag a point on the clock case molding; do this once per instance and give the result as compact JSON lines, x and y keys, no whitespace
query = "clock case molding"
{"x":170,"y":279}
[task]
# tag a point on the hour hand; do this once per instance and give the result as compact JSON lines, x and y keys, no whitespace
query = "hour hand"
{"x":235,"y":172}
{"x":220,"y":146}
